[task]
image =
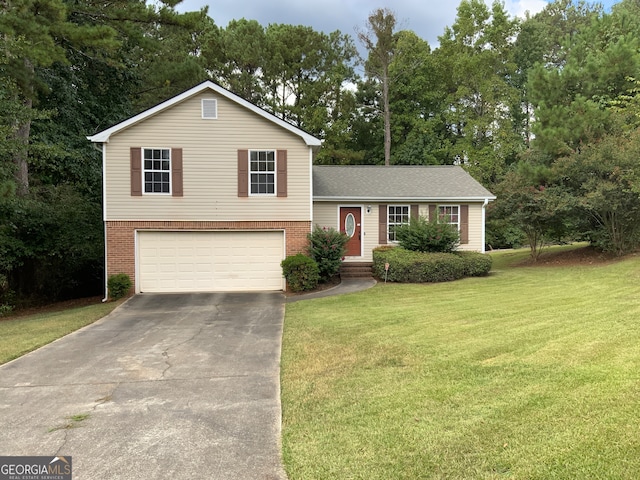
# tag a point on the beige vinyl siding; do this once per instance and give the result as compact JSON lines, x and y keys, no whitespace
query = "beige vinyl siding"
{"x":325,"y":214}
{"x":475,"y":229}
{"x":210,"y":166}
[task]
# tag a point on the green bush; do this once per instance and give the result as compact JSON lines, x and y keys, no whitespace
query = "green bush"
{"x":422,"y":235}
{"x":419,"y":267}
{"x":475,"y":264}
{"x":327,"y":247}
{"x":301,"y":272}
{"x":119,"y":285}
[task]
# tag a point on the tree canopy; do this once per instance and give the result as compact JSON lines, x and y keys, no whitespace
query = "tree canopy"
{"x":543,"y":110}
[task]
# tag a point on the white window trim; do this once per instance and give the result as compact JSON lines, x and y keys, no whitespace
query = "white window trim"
{"x":389,"y":224}
{"x":449,"y":206}
{"x":215,"y":108}
{"x":275,"y":173}
{"x":170,"y":171}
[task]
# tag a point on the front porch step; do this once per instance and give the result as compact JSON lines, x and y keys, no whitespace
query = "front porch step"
{"x":356,"y":270}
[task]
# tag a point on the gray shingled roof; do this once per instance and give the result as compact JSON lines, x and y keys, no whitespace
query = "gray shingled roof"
{"x":372,"y":183}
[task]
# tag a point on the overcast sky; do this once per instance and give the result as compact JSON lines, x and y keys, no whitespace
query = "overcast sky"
{"x":428,"y":18}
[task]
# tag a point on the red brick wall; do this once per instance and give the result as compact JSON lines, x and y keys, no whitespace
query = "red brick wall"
{"x":121,"y":237}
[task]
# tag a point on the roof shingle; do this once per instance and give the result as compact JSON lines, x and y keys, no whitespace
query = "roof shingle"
{"x":410,"y":182}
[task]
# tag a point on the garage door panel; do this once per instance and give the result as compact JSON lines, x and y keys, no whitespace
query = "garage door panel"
{"x":210,"y":261}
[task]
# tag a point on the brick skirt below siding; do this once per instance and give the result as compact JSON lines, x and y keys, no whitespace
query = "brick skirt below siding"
{"x":121,"y":237}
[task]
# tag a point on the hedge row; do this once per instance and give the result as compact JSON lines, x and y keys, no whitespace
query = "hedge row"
{"x":417,"y":267}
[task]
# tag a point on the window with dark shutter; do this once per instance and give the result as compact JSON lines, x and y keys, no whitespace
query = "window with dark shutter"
{"x":464,"y":224}
{"x":156,"y":171}
{"x":135,"y":155}
{"x":243,"y":173}
{"x":176,"y":172}
{"x":282,"y":173}
{"x":382,"y":224}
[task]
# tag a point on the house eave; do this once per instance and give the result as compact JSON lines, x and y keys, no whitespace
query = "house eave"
{"x":404,"y":199}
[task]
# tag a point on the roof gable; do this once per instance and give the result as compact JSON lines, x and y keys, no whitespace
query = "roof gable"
{"x":104,"y":135}
{"x":396,"y":183}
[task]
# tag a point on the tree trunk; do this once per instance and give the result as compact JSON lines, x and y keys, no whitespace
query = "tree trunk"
{"x":387,"y":118}
{"x":21,"y":174}
{"x":22,"y":132}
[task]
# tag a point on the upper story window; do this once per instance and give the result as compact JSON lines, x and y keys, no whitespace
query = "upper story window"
{"x":262,"y":172}
{"x":450,"y":214}
{"x":157,"y":170}
{"x":396,"y":215}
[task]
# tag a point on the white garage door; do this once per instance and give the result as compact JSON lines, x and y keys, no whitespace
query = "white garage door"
{"x":210,"y":261}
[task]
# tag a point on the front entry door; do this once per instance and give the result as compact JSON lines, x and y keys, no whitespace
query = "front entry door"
{"x":351,"y":224}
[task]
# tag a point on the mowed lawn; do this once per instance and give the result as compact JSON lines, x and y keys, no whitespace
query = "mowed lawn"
{"x":530,"y":373}
{"x":23,"y":334}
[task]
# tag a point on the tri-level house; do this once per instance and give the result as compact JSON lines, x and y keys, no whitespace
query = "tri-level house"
{"x":208,"y":192}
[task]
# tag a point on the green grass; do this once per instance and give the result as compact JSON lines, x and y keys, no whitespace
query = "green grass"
{"x":24,"y":334}
{"x":530,"y":373}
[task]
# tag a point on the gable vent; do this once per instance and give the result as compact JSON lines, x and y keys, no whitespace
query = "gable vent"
{"x":209,"y":108}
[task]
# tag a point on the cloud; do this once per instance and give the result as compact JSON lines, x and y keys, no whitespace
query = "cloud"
{"x":427,"y":18}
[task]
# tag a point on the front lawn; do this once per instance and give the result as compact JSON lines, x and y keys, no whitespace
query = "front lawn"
{"x":24,"y":334}
{"x":532,"y":372}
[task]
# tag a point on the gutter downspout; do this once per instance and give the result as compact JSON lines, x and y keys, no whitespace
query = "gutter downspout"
{"x":484,"y":211}
{"x":102,"y":149}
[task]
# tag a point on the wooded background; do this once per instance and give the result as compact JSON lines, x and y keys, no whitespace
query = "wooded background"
{"x":543,"y":111}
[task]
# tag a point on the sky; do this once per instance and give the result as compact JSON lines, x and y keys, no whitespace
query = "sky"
{"x":427,"y":18}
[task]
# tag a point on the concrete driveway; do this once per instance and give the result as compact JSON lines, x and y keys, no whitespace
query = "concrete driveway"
{"x":166,"y":387}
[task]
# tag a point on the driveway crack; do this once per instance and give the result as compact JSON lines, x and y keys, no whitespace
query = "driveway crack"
{"x":167,"y":356}
{"x":64,"y":442}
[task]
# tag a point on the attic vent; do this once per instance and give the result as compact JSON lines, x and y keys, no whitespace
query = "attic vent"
{"x":209,"y":108}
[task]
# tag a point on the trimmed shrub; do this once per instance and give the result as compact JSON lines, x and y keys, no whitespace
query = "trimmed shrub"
{"x":422,"y":235}
{"x":301,"y":272}
{"x":419,"y":267}
{"x":475,"y":264}
{"x":327,"y":247}
{"x":119,"y":285}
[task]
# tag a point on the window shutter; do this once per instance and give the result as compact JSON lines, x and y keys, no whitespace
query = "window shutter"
{"x":464,"y":224}
{"x":176,"y":172}
{"x":415,"y":211}
{"x":432,"y":212}
{"x":243,"y":173}
{"x":281,"y":166}
{"x":135,"y":154}
{"x":382,"y":224}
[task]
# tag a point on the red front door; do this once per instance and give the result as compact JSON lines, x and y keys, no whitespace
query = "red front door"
{"x":351,"y":224}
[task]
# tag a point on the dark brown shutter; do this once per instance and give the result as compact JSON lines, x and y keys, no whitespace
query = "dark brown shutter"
{"x":464,"y":224}
{"x":281,"y":167}
{"x":135,"y":154}
{"x":415,"y":211}
{"x":432,"y":212}
{"x":243,"y":173}
{"x":176,"y":172}
{"x":382,"y":224}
